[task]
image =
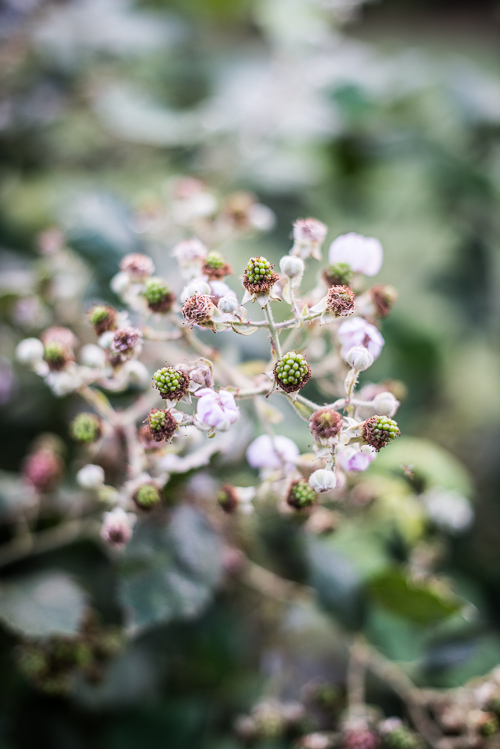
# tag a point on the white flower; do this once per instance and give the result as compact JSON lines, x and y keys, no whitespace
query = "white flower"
{"x":261,"y":217}
{"x":116,"y":529}
{"x":220,"y":289}
{"x":323,"y":480}
{"x":216,"y":410}
{"x":90,"y":476}
{"x":196,"y":286}
{"x":267,"y":453}
{"x":29,"y":351}
{"x":190,"y":254}
{"x":359,"y":358}
{"x":92,"y":356}
{"x":136,"y":373}
{"x":385,"y":404}
{"x":358,"y":332}
{"x":362,"y":254}
{"x":448,"y":509}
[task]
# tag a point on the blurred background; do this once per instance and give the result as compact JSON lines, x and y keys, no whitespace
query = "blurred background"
{"x":381,"y":118}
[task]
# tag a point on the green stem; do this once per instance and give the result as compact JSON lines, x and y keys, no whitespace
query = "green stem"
{"x":273,"y":332}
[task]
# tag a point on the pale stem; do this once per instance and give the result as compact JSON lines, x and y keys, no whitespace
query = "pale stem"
{"x":276,"y":348}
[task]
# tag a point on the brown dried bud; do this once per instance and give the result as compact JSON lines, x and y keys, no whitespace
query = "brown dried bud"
{"x":325,"y":423}
{"x":198,"y":309}
{"x":383,"y":298}
{"x":228,"y":499}
{"x":137,"y":266}
{"x":340,"y":301}
{"x":126,"y":339}
{"x":161,"y":424}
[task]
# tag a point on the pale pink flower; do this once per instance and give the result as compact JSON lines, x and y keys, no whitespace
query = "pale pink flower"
{"x":216,"y":410}
{"x":268,"y":453}
{"x":358,"y":332}
{"x":363,"y":254}
{"x":116,"y":529}
{"x":354,"y":458}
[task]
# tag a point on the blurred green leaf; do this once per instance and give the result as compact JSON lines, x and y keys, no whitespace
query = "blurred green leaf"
{"x":337,"y":583}
{"x":170,"y":570}
{"x":41,"y":605}
{"x":428,"y":461}
{"x":417,"y":601}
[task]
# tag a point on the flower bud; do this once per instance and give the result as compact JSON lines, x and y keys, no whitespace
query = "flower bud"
{"x":136,"y":373}
{"x":323,"y":480}
{"x":103,"y":318}
{"x":228,"y":499}
{"x":359,"y":358}
{"x":292,"y":266}
{"x":360,"y":738}
{"x":198,"y":309}
{"x":216,"y":410}
{"x":117,"y":527}
{"x":43,"y":469}
{"x":383,"y":298}
{"x":126,"y":341}
{"x":385,"y":404}
{"x":308,"y":235}
{"x":228,"y":304}
{"x":292,"y":372}
{"x":90,"y":476}
{"x":29,"y":351}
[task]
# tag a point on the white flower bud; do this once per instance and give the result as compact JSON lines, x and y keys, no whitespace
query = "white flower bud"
{"x":90,"y":476}
{"x":120,"y":283}
{"x":228,"y":305}
{"x":322,"y":480}
{"x":359,"y":358}
{"x":92,"y":356}
{"x":385,"y":404}
{"x":29,"y":351}
{"x":136,"y":373}
{"x":106,"y":339}
{"x":292,"y":266}
{"x":198,"y":286}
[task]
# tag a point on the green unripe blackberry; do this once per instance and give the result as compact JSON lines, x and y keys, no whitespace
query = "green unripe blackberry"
{"x":378,"y":431}
{"x":158,"y":295}
{"x":402,"y":738}
{"x":259,"y":277}
{"x":269,"y":721}
{"x":162,"y":424}
{"x":32,"y":662}
{"x":215,"y":266}
{"x":86,"y":427}
{"x":301,"y":495}
{"x":102,"y":318}
{"x":172,"y":383}
{"x":489,"y":724}
{"x":339,"y":274}
{"x":147,"y":496}
{"x":292,"y":372}
{"x":56,"y":355}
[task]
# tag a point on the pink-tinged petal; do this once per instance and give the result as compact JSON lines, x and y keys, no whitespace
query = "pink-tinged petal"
{"x":266,"y":453}
{"x":364,"y":254}
{"x":358,"y":332}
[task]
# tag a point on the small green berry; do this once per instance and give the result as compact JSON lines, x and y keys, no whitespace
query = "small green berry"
{"x":402,"y":738}
{"x":259,"y":277}
{"x":301,"y":495}
{"x":158,"y":295}
{"x":56,"y":355}
{"x":292,"y":372}
{"x":378,"y":431}
{"x":161,"y":424}
{"x":172,"y":383}
{"x":147,"y":496}
{"x":86,"y":427}
{"x":102,"y":318}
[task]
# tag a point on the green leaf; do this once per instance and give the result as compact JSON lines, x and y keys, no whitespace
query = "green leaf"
{"x":170,"y":570}
{"x":435,"y":465}
{"x":337,"y":583}
{"x":41,"y":605}
{"x":419,"y":602}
